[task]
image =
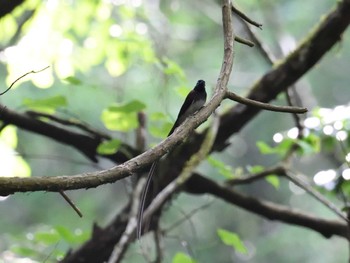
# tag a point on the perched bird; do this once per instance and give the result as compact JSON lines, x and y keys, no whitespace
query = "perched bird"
{"x":193,"y":102}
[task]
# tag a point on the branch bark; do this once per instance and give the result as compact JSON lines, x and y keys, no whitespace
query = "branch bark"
{"x":308,"y":53}
{"x":8,"y":6}
{"x":284,"y":73}
{"x":201,"y":185}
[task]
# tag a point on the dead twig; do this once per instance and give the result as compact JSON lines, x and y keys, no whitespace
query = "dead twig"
{"x":21,"y":77}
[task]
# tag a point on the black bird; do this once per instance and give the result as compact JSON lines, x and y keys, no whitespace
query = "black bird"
{"x":193,"y":102}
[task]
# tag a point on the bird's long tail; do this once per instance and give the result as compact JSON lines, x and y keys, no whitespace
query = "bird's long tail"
{"x":143,"y":200}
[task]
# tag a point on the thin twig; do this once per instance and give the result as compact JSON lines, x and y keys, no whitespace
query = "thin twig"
{"x":291,"y":103}
{"x":125,"y":239}
{"x":245,"y":17}
{"x":258,"y":44}
{"x":278,"y":170}
{"x":244,"y":41}
{"x":70,"y":202}
{"x":159,"y":246}
{"x":310,"y":190}
{"x":30,"y":72}
{"x":231,"y":95}
{"x":188,"y":216}
{"x":75,"y":123}
{"x":141,"y":131}
{"x":200,"y":185}
{"x":219,"y":93}
{"x":218,"y":96}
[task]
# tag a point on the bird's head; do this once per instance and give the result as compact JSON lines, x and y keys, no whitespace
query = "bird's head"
{"x":200,"y":86}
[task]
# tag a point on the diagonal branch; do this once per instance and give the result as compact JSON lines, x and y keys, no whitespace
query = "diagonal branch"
{"x":94,"y":179}
{"x":317,"y":43}
{"x":265,"y":106}
{"x":201,"y":185}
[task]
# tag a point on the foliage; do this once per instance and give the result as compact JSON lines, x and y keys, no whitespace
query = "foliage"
{"x":111,"y":59}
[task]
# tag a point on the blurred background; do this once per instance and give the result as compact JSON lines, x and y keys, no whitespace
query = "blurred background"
{"x":113,"y":52}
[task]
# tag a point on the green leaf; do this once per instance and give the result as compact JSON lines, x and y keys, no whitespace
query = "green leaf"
{"x":119,"y":121}
{"x":48,"y":105}
{"x":310,"y":144}
{"x":233,"y":240}
{"x":182,"y":258}
{"x":222,"y":168}
{"x":345,"y":209}
{"x":8,"y":135}
{"x":132,"y":106}
{"x":264,"y":148}
{"x":109,"y":147}
{"x":273,"y":180}
{"x":281,"y":149}
{"x":255,"y":169}
{"x":48,"y":238}
{"x":71,"y":237}
{"x":73,"y":80}
{"x":24,"y":251}
{"x":122,"y":117}
{"x":158,"y":116}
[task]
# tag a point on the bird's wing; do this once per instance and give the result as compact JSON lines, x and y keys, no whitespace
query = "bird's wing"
{"x":188,"y":102}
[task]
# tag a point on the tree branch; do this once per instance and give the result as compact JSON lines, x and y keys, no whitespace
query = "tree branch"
{"x":94,"y":179}
{"x":245,"y":17}
{"x":265,"y":106}
{"x":21,"y":77}
{"x":86,"y":144}
{"x":124,"y":241}
{"x":286,"y":72}
{"x":200,"y":185}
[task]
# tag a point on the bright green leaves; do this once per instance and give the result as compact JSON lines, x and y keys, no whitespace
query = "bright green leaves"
{"x":182,"y":258}
{"x":109,"y":147}
{"x":310,"y":144}
{"x":221,"y":167}
{"x":72,"y":237}
{"x":47,"y":105}
{"x":273,"y":180}
{"x":122,"y":117}
{"x":73,"y":80}
{"x":46,"y":239}
{"x":307,"y":145}
{"x":233,"y":240}
{"x":132,"y":106}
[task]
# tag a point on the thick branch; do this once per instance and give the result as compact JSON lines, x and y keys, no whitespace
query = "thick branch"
{"x":288,"y":71}
{"x":179,"y":134}
{"x":94,"y":179}
{"x":201,"y":185}
{"x":86,"y":144}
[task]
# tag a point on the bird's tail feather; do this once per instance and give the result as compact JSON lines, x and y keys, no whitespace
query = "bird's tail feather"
{"x":143,"y":199}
